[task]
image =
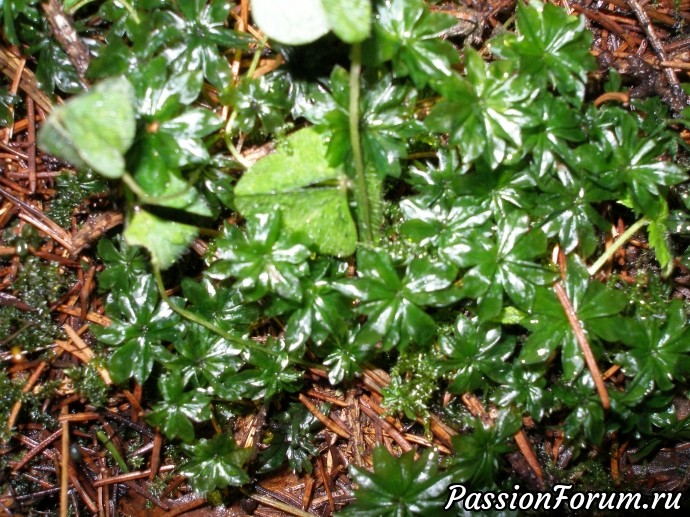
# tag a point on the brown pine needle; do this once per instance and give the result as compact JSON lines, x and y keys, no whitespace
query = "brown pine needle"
{"x":527,"y":451}
{"x":330,"y":424}
{"x":584,"y":344}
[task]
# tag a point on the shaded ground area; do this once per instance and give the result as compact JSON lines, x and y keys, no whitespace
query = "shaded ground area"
{"x":68,"y":419}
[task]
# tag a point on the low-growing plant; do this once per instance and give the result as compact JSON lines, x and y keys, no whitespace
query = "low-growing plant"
{"x":460,"y":270}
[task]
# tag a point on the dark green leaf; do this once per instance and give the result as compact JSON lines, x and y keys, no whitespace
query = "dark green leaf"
{"x":485,"y":112}
{"x":178,"y":407}
{"x":406,"y":32}
{"x":216,"y":463}
{"x":399,"y":486}
{"x":263,"y":259}
{"x":551,"y":46}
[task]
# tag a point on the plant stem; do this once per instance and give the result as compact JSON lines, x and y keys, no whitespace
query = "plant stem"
{"x":361,"y":194}
{"x":105,"y":440}
{"x":194,"y":317}
{"x":189,"y":315}
{"x":622,"y":239}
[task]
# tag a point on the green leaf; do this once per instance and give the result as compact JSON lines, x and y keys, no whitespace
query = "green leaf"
{"x":124,"y":266}
{"x":258,"y":103}
{"x":486,"y":112}
{"x":140,"y":325}
{"x":292,"y":22}
{"x":350,"y":20}
{"x":220,"y":305}
{"x":216,"y":463}
{"x":596,"y":307}
{"x":629,"y":166}
{"x":393,"y":305}
{"x":310,"y":195}
{"x":477,"y":455}
{"x":658,"y":350}
{"x":525,"y":388}
{"x":399,"y":486}
{"x":551,"y":46}
{"x":387,"y":120}
{"x":165,"y":240}
{"x":658,"y":239}
{"x":178,"y":407}
{"x":502,"y":265}
{"x":406,"y":32}
{"x":293,"y":439}
{"x":474,"y":355}
{"x":94,"y":129}
{"x":269,"y":373}
{"x":197,"y":39}
{"x":263,"y":259}
{"x":203,"y":356}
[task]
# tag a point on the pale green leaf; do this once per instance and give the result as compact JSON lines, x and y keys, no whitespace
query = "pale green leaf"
{"x":309,"y":193}
{"x":349,"y":19}
{"x":94,"y":130}
{"x":165,"y":240}
{"x":293,"y":22}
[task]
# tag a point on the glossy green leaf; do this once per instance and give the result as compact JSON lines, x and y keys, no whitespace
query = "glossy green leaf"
{"x":263,"y":259}
{"x":216,"y":463}
{"x":502,"y":265}
{"x":485,"y":112}
{"x":203,"y":356}
{"x":406,"y":32}
{"x":526,"y":389}
{"x":394,"y":305}
{"x":386,"y":121}
{"x":140,"y":325}
{"x":124,"y":265}
{"x":293,"y":440}
{"x":269,"y":373}
{"x":95,"y":129}
{"x":551,"y":46}
{"x":178,"y":407}
{"x":198,"y":39}
{"x":310,"y":195}
{"x":478,"y":454}
{"x":474,"y":355}
{"x":596,"y":307}
{"x":258,"y":103}
{"x":658,"y":350}
{"x":399,"y":486}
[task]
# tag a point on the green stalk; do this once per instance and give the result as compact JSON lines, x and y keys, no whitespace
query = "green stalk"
{"x":189,"y":315}
{"x":622,"y":239}
{"x":361,"y":194}
{"x":105,"y":440}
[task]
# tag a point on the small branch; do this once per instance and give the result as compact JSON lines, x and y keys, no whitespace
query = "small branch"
{"x":608,"y":254}
{"x":64,"y":467}
{"x":584,"y":345}
{"x":658,"y":47}
{"x":369,"y":408}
